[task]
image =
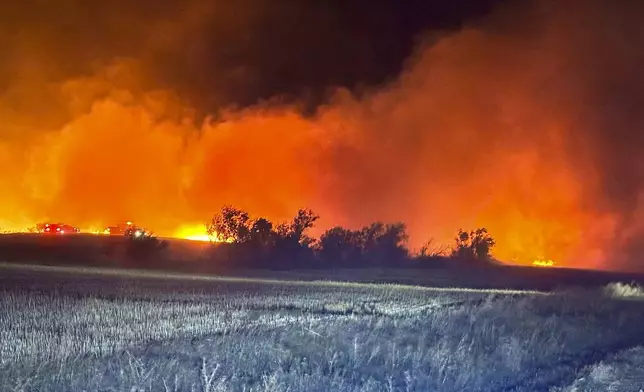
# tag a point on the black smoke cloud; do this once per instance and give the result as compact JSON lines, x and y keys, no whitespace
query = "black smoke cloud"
{"x":218,"y":53}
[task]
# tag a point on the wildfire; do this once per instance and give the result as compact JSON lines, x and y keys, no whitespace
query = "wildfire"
{"x":194,"y":233}
{"x":479,"y":130}
{"x":543,"y":263}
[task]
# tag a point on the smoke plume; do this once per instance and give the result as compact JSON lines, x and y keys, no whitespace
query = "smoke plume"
{"x":526,"y":122}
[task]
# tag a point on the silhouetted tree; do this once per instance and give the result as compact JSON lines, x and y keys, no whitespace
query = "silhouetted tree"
{"x":292,"y":245}
{"x":230,"y":224}
{"x":463,"y":248}
{"x":378,"y":243}
{"x":370,"y":236}
{"x":261,"y":233}
{"x":257,"y":242}
{"x":384,"y":243}
{"x":475,"y":244}
{"x":296,"y":230}
{"x":482,"y":244}
{"x":340,"y":245}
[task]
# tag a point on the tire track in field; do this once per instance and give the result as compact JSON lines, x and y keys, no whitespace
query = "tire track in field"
{"x":155,"y":348}
{"x":370,"y":308}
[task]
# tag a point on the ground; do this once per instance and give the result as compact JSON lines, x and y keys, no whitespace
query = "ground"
{"x":71,"y":329}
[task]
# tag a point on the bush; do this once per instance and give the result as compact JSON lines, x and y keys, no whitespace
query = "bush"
{"x":231,"y":225}
{"x":432,"y":255}
{"x":142,"y":245}
{"x":430,"y":250}
{"x":340,"y":246}
{"x":473,"y":245}
{"x":257,"y":242}
{"x":377,"y":244}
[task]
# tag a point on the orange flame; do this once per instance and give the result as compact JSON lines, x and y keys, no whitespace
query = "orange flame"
{"x":195,"y":233}
{"x":543,"y":263}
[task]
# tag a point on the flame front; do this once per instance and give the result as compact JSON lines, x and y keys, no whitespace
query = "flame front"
{"x":543,"y":263}
{"x":195,"y":233}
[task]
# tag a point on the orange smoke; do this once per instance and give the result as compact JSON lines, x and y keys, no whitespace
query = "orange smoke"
{"x":476,"y":132}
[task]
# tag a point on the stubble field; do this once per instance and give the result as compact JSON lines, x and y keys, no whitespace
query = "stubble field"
{"x":105,"y":330}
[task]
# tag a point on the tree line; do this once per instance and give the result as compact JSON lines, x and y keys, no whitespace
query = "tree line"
{"x":247,"y":241}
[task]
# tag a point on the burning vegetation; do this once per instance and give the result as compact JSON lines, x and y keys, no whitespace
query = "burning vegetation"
{"x":543,"y":263}
{"x":502,"y":124}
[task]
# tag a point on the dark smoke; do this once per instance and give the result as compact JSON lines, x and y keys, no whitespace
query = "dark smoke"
{"x":601,"y":49}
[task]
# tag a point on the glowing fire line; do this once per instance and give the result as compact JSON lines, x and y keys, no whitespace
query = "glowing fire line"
{"x":195,"y":233}
{"x":543,"y":263}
